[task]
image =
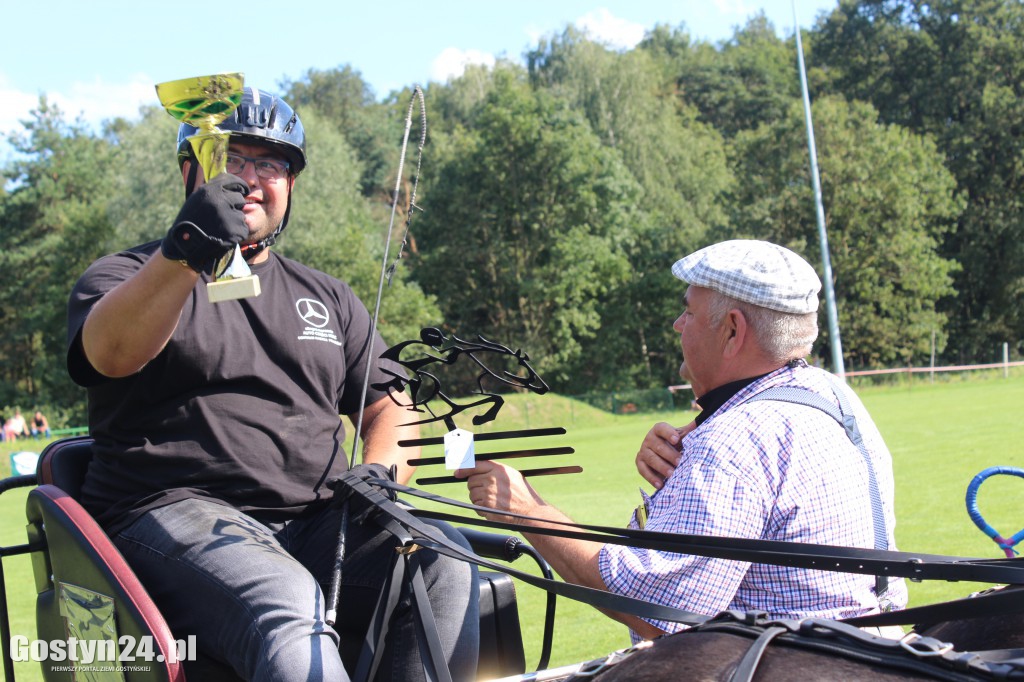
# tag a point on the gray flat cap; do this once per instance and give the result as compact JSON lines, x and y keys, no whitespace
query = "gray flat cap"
{"x":756,"y":272}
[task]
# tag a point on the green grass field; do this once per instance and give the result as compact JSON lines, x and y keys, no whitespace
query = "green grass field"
{"x":941,"y":435}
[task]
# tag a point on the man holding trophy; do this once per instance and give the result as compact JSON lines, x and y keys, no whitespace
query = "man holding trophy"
{"x":215,"y":414}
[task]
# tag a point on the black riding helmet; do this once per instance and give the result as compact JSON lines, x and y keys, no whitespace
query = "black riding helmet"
{"x":263,"y":119}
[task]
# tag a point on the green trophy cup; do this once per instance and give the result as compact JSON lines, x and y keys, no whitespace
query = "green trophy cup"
{"x":203,"y":102}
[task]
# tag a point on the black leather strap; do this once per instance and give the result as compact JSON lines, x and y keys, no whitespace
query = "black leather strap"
{"x":405,"y":564}
{"x":821,"y":557}
{"x":425,"y":536}
{"x":817,"y":557}
{"x":432,"y":654}
{"x":748,"y":664}
{"x":373,"y":644}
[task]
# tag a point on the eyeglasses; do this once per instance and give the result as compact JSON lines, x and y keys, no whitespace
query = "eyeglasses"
{"x":268,"y":169}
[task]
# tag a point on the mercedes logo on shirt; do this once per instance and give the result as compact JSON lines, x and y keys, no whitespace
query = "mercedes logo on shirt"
{"x":312,"y":312}
{"x":315,"y":315}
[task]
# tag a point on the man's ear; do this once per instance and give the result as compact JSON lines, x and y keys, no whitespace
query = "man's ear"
{"x":734,"y":329}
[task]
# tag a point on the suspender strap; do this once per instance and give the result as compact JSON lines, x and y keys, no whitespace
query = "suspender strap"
{"x":844,"y":415}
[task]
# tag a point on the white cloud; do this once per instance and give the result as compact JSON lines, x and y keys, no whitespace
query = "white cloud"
{"x":93,"y":102}
{"x":452,"y":63}
{"x":14,"y":105}
{"x":602,"y":26}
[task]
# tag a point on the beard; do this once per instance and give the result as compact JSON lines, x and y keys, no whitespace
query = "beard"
{"x":262,"y":224}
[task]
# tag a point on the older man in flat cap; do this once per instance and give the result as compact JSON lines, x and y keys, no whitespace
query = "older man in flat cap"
{"x":768,"y":457}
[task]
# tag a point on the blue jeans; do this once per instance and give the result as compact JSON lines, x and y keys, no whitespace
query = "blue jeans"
{"x":253,"y":593}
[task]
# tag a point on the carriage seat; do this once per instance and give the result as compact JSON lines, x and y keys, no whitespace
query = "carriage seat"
{"x":84,"y":587}
{"x":63,"y":464}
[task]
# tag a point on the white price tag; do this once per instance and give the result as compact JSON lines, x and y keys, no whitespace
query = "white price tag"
{"x":458,"y":450}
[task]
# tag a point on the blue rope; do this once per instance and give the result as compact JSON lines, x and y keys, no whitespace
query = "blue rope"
{"x":1006,"y":544}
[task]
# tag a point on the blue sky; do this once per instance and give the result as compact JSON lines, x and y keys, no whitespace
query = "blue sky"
{"x":101,"y":58}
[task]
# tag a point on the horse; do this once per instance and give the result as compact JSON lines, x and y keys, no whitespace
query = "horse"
{"x":737,"y":647}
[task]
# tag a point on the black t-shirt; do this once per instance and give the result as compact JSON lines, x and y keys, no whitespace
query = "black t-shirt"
{"x":242,"y":406}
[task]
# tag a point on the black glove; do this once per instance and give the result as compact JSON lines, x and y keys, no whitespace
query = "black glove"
{"x":209,"y":224}
{"x":371,"y":471}
{"x":365,"y":471}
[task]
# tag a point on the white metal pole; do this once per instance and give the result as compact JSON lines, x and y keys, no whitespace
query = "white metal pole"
{"x":830,"y":295}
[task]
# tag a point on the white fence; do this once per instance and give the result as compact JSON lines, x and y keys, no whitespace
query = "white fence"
{"x":1005,"y":366}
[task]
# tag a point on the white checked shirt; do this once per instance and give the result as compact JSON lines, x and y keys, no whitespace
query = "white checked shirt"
{"x":770,"y":470}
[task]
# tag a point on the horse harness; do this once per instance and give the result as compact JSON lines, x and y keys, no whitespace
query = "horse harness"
{"x":913,"y":653}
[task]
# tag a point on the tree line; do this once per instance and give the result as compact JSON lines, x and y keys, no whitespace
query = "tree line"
{"x":555,"y":194}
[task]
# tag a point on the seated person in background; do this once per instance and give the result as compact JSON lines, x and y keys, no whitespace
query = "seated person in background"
{"x":217,"y":429}
{"x":40,"y":427}
{"x":769,"y":469}
{"x":15,"y":427}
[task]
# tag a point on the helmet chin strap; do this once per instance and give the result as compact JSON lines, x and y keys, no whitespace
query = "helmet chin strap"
{"x":252,"y":250}
{"x":193,"y":172}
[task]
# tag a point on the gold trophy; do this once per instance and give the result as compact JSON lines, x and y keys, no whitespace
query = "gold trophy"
{"x":203,"y":102}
